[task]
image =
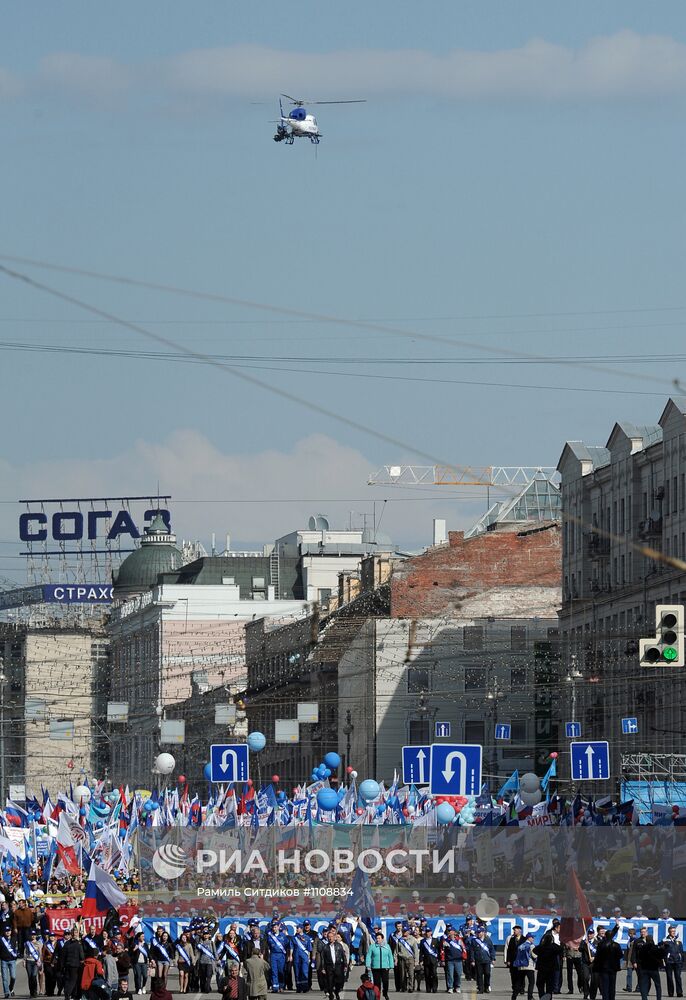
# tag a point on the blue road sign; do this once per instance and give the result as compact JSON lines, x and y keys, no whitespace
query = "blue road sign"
{"x":229,"y":762}
{"x":503,"y":731}
{"x":590,"y":761}
{"x":629,"y":726}
{"x":455,"y":769}
{"x":442,"y":729}
{"x":573,"y":730}
{"x":416,"y":765}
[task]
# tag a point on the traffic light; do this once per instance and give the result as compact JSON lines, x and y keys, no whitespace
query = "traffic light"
{"x":667,"y":648}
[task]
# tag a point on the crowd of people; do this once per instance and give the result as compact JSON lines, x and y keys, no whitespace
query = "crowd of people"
{"x":245,"y":962}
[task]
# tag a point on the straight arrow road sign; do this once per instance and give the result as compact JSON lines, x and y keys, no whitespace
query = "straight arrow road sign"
{"x":590,"y":761}
{"x":229,"y":762}
{"x":416,"y":765}
{"x":456,"y":769}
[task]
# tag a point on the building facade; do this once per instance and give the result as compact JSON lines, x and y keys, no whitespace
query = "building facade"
{"x":53,"y":693}
{"x":624,"y":516}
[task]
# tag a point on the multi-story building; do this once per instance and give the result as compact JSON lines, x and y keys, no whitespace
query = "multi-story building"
{"x":624,"y":510}
{"x":53,"y":694}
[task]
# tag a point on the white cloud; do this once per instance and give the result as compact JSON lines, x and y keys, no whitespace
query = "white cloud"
{"x":189,"y":467}
{"x":620,"y":66}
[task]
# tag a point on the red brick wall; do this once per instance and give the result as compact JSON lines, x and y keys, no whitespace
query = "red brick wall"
{"x":432,"y":584}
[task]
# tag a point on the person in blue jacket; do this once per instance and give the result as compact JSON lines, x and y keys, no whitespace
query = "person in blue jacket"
{"x":279,"y":945}
{"x":673,"y":951}
{"x":301,"y":949}
{"x":483,"y":953}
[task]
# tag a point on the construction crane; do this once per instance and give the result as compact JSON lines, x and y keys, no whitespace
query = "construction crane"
{"x":461,"y":475}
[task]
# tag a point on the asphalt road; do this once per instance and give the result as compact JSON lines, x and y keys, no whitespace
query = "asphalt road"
{"x":500,"y":985}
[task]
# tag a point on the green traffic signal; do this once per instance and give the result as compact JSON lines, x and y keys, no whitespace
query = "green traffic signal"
{"x":670,"y":653}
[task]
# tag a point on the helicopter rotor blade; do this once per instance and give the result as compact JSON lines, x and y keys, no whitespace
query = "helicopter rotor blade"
{"x":363,"y":101}
{"x":295,"y":100}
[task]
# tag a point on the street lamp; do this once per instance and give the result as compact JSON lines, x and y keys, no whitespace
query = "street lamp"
{"x":492,"y":697}
{"x":348,"y":729}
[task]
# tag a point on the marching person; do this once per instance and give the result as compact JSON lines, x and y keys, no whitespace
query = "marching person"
{"x":629,"y":960}
{"x":572,"y":957}
{"x":587,"y":950}
{"x":279,"y":950}
{"x":549,"y":961}
{"x":483,"y":952}
{"x":301,"y":949}
{"x":205,"y":961}
{"x":510,"y":950}
{"x":525,"y":968}
{"x":185,"y":960}
{"x":71,"y":959}
{"x":161,"y":950}
{"x":367,"y":990}
{"x":333,"y":965}
{"x":393,"y":941}
{"x":32,"y":962}
{"x":453,"y":957}
{"x":674,"y":960}
{"x":139,"y":962}
{"x":407,"y":957}
{"x":648,"y":962}
{"x":257,"y":970}
{"x":380,"y":961}
{"x":8,"y":962}
{"x":608,"y":962}
{"x":428,"y":953}
{"x":49,"y":960}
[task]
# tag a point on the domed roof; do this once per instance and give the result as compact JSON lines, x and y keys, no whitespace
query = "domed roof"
{"x":157,"y":554}
{"x":377,"y":539}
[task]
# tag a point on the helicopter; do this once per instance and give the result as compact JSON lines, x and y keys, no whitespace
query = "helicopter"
{"x":298,"y":124}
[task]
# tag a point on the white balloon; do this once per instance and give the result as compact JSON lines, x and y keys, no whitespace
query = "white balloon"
{"x":353,"y":774}
{"x":529,"y":782}
{"x":164,"y":763}
{"x":531,"y":798}
{"x":82,"y":792}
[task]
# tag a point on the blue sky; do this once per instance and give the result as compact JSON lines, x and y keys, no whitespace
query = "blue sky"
{"x":514,"y":182}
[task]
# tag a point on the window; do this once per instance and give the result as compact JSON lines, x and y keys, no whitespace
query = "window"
{"x":518,"y":637}
{"x":418,"y":732}
{"x":518,"y":678}
{"x":472,"y":679}
{"x":418,"y":679}
{"x":682,"y":491}
{"x":517,"y":746}
{"x":675,"y":502}
{"x":473,"y":637}
{"x":474,"y":732}
{"x":622,"y":516}
{"x":324,"y":595}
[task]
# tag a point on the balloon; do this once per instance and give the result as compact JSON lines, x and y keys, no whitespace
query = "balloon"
{"x":164,"y":763}
{"x":154,"y":806}
{"x":358,"y":812}
{"x":445,"y":813}
{"x":529,"y":782}
{"x":147,"y":806}
{"x":280,"y":796}
{"x":348,"y":770}
{"x":181,"y":779}
{"x":82,"y":792}
{"x":553,"y":755}
{"x":207,"y":772}
{"x":327,"y":798}
{"x":381,"y":809}
{"x":82,"y":811}
{"x":369,"y":789}
{"x":332,"y":760}
{"x":327,"y":772}
{"x":257,"y":742}
{"x":353,"y":774}
{"x":249,"y":782}
{"x":531,"y":798}
{"x":275,"y":779}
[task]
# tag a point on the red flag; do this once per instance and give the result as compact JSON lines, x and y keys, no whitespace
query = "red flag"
{"x":576,"y":915}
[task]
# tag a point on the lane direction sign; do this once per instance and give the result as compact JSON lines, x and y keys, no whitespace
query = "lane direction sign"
{"x":629,"y":726}
{"x":503,"y":731}
{"x":590,"y":760}
{"x":573,"y":730}
{"x":442,"y":729}
{"x":416,"y":765}
{"x":229,"y":762}
{"x":456,"y":768}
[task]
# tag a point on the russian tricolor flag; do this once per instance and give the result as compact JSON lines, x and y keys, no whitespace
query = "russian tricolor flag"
{"x":102,"y":892}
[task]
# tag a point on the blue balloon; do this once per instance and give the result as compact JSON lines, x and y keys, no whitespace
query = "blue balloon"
{"x":327,"y":798}
{"x":314,"y":776}
{"x":341,"y":794}
{"x":445,"y":813}
{"x":321,"y":769}
{"x":154,"y":805}
{"x":381,"y":809}
{"x":82,"y":811}
{"x":147,"y":806}
{"x":207,"y":771}
{"x":257,"y":742}
{"x":327,"y":772}
{"x":332,"y":760}
{"x":369,"y":789}
{"x":280,"y":796}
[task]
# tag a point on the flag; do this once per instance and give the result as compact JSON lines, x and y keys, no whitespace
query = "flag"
{"x":550,"y":773}
{"x":66,"y":846}
{"x":102,"y":892}
{"x":576,"y":914}
{"x":511,"y":785}
{"x":362,"y":899}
